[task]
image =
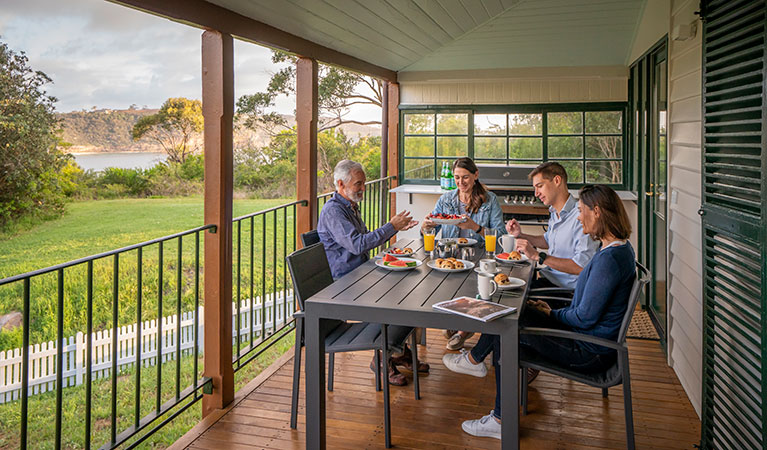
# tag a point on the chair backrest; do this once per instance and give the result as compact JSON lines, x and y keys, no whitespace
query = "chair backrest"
{"x":642,"y":279}
{"x":310,"y":238}
{"x":310,"y":272}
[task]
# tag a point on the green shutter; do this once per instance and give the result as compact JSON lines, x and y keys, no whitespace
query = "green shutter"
{"x":733,"y":189}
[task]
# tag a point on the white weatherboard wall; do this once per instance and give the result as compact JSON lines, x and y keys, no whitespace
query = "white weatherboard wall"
{"x":685,"y":304}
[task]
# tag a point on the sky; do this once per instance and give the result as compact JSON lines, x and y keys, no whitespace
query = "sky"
{"x":110,"y":56}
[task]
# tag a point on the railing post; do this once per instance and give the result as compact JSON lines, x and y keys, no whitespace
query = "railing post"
{"x":392,"y":131}
{"x":306,"y":150}
{"x":218,"y":112}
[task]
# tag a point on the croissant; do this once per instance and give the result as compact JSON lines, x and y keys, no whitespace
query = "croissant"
{"x":502,"y":279}
{"x":447,"y":265}
{"x":438,"y":261}
{"x":463,"y":241}
{"x":458,"y":265}
{"x":515,"y":255}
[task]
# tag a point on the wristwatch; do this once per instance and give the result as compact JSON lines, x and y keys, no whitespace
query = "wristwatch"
{"x":542,"y":257}
{"x":479,"y":230}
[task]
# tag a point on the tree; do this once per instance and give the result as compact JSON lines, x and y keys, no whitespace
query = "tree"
{"x":29,"y":158}
{"x":337,"y":91}
{"x":173,"y":127}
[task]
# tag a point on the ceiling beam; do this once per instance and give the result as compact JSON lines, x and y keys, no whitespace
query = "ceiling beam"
{"x":202,"y":14}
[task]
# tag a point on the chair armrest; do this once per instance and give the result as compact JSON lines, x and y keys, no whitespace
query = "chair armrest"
{"x":552,"y":291}
{"x":575,"y":336}
{"x":548,"y":297}
{"x":298,"y":315}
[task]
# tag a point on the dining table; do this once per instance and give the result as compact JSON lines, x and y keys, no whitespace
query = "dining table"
{"x":375,"y":294}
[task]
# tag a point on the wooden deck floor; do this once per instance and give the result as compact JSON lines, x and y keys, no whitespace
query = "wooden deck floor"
{"x":563,"y":415}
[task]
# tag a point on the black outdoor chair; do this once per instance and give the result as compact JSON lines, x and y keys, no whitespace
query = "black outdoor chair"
{"x":615,"y":375}
{"x":310,"y":272}
{"x":310,"y":238}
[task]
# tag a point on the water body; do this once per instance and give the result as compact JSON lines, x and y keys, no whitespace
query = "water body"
{"x":129,"y":160}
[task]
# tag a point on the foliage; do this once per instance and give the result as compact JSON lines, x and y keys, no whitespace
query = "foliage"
{"x":337,"y":91}
{"x":29,"y":159}
{"x":173,"y":127}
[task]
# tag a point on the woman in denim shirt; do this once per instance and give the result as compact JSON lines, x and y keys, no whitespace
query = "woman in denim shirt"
{"x":472,"y":200}
{"x":481,"y":209}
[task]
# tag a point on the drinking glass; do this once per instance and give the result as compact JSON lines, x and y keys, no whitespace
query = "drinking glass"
{"x":428,"y":239}
{"x":491,"y":235}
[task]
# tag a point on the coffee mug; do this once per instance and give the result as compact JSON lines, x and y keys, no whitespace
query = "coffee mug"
{"x":507,"y":242}
{"x":487,"y":265}
{"x":486,"y":286}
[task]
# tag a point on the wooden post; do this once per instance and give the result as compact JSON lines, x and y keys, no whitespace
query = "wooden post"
{"x":306,"y":150}
{"x":392,"y":132}
{"x":218,"y":111}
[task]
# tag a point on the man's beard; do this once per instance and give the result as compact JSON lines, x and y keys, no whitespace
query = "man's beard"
{"x":355,"y":197}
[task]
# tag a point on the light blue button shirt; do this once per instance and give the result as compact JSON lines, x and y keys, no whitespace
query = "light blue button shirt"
{"x":566,"y":240}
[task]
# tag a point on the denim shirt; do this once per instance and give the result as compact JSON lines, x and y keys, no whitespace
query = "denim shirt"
{"x":566,"y":240}
{"x":489,"y":215}
{"x":345,"y":236}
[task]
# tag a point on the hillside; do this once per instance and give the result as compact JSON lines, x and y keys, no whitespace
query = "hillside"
{"x":109,"y":131}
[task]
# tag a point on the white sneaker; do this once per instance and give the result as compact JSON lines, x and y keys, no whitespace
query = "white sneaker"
{"x":484,"y":427}
{"x":459,"y":363}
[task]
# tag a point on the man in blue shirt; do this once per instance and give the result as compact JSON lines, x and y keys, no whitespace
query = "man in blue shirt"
{"x":569,"y":250}
{"x":347,"y":241}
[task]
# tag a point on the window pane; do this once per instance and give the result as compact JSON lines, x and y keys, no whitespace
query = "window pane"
{"x":603,"y":122}
{"x":566,"y":147}
{"x":525,"y":148}
{"x":419,"y":169}
{"x":419,"y":123}
{"x":452,"y":146}
{"x":604,"y":172}
{"x":489,"y":124}
{"x":604,"y":147}
{"x":490,"y":161}
{"x":526,"y":124}
{"x":452,"y":123}
{"x":565,"y":123}
{"x":419,"y":146}
{"x":574,"y":171}
{"x":490,"y":147}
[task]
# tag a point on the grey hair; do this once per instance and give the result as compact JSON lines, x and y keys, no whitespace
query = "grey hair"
{"x":344,"y":170}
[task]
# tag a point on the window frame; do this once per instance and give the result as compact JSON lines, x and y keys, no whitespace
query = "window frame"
{"x":543,"y":109}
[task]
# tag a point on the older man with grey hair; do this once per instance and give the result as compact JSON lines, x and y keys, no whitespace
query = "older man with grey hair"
{"x":347,"y":242}
{"x":346,"y":239}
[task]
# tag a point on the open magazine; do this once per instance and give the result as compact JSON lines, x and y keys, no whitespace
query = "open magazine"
{"x":475,"y":308}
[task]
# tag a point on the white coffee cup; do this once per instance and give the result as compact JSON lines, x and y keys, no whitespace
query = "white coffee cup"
{"x":487,"y":265}
{"x":507,"y":242}
{"x":486,"y":286}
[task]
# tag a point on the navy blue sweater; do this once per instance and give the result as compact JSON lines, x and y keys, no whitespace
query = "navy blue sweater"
{"x":601,"y":295}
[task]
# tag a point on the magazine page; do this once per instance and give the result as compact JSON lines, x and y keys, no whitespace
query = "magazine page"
{"x":475,"y":308}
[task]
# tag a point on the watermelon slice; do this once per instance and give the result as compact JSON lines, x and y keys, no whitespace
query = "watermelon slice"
{"x":503,"y":256}
{"x":389,"y":258}
{"x":396,"y":263}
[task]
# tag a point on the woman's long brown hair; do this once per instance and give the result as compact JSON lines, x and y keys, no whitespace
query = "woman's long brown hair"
{"x":614,"y":218}
{"x":478,"y":192}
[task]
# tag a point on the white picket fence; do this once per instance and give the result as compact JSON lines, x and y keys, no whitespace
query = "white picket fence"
{"x":42,"y":357}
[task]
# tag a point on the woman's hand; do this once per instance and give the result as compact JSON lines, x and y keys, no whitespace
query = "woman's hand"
{"x":427,"y":223}
{"x":540,"y":305}
{"x":469,"y":224}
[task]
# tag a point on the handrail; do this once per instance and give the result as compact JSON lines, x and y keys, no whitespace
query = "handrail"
{"x":75,"y":262}
{"x":274,"y":208}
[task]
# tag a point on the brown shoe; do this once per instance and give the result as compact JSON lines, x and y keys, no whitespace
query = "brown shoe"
{"x":395,"y":377}
{"x":406,"y":361}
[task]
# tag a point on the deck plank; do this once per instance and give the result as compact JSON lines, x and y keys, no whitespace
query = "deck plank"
{"x":562,"y":414}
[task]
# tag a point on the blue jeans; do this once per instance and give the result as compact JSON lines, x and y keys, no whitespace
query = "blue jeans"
{"x":565,"y":352}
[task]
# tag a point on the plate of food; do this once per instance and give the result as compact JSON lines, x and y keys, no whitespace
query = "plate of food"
{"x":506,"y":282}
{"x":396,"y":251}
{"x":450,"y":264}
{"x":461,"y":241}
{"x":512,"y":257}
{"x":390,"y":262}
{"x":446,"y":219}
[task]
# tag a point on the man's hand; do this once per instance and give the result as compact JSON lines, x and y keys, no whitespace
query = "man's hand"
{"x":513,"y":228}
{"x":524,"y":246}
{"x":403,"y":221}
{"x":540,"y":305}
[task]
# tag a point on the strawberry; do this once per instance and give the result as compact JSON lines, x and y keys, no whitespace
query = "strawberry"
{"x":388,"y":258}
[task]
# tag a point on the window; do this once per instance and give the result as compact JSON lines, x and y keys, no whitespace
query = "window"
{"x":587,"y":139}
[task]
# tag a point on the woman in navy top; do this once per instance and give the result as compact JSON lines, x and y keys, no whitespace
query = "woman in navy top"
{"x":599,"y":303}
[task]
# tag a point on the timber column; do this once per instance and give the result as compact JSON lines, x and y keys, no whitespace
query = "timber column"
{"x":392,"y":133}
{"x":306,"y":150}
{"x":218,"y":111}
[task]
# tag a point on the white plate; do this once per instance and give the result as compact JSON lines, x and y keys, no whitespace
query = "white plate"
{"x":380,"y":263}
{"x":511,"y":261}
{"x":497,"y":270}
{"x":447,"y":221}
{"x":388,"y":250}
{"x":467,"y":244}
{"x":466,"y":266}
{"x":514,"y":283}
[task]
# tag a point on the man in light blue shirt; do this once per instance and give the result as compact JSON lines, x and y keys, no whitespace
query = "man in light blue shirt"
{"x":569,"y":250}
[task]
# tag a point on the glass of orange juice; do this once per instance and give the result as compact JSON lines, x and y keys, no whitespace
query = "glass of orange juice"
{"x":428,"y":239}
{"x":491,"y":235}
